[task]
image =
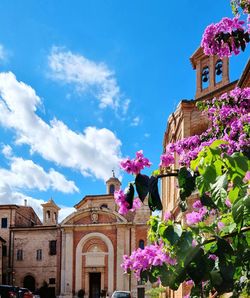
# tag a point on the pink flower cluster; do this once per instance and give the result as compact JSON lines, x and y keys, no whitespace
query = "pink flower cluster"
{"x":229,"y":116}
{"x":143,"y":259}
{"x":134,"y":166}
{"x":120,"y":199}
{"x":195,"y":217}
{"x":218,"y":39}
{"x":167,"y":159}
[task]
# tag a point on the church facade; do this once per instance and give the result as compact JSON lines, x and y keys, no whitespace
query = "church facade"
{"x":82,"y":254}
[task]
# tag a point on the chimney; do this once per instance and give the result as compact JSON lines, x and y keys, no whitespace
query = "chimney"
{"x":25,"y":202}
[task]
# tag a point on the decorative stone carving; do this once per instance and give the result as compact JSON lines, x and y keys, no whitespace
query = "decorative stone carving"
{"x":94,"y":217}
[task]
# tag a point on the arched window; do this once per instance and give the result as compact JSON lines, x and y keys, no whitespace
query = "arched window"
{"x":218,"y":71}
{"x":141,"y":244}
{"x":48,"y":214}
{"x":205,"y":77}
{"x":104,"y":206}
{"x":111,"y":188}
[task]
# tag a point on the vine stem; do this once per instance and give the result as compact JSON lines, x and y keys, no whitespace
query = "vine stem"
{"x":243,"y":230}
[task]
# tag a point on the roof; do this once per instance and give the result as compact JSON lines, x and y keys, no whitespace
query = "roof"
{"x":197,"y":56}
{"x":51,"y":203}
{"x":111,"y":196}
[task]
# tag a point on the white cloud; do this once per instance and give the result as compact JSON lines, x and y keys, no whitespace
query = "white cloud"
{"x":146,"y":135}
{"x":125,"y":105}
{"x":135,"y":121}
{"x":9,"y":196}
{"x":27,"y":174}
{"x":86,"y":75}
{"x":94,"y":152}
{"x":3,"y":54}
{"x":7,"y":151}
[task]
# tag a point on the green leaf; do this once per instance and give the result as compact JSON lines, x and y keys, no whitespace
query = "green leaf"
{"x":172,"y":233}
{"x":202,"y":184}
{"x":154,"y":200}
{"x":142,"y":186}
{"x":184,"y":244}
{"x":186,"y":183}
{"x":155,"y":173}
{"x":216,"y":278}
{"x":130,"y":191}
{"x":223,"y":247}
{"x":241,"y":209}
{"x":218,"y":190}
{"x":217,"y":143}
{"x":233,"y":193}
{"x":210,"y":174}
{"x":239,"y":163}
{"x":207,"y":201}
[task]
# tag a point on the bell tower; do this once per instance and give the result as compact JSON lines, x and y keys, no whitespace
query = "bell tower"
{"x":212,"y":72}
{"x":50,"y":213}
{"x":112,"y":184}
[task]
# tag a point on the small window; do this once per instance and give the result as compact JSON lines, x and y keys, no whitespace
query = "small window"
{"x":52,"y":281}
{"x":104,"y":206}
{"x":141,"y":244}
{"x":52,"y":247}
{"x":4,"y":223}
{"x":205,"y":77}
{"x":19,"y":255}
{"x":4,"y":251}
{"x":39,"y":255}
{"x":111,"y":188}
{"x":48,"y":214}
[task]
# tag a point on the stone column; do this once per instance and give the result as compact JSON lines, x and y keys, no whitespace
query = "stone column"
{"x":122,"y":242}
{"x":133,"y":247}
{"x":67,"y":264}
{"x":198,"y":79}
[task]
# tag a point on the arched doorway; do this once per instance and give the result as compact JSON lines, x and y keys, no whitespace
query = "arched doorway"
{"x":95,"y":264}
{"x":29,"y":282}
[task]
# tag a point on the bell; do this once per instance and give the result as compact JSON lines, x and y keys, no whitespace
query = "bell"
{"x":204,"y":79}
{"x":218,"y":72}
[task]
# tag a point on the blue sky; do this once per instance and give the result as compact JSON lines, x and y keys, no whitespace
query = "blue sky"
{"x":85,"y":83}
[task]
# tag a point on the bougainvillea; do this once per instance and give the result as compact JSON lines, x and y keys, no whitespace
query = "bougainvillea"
{"x":134,"y":166}
{"x":211,"y":250}
{"x":229,"y":120}
{"x":224,"y":38}
{"x":229,"y":35}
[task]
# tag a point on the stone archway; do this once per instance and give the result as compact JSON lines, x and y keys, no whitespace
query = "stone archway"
{"x":79,"y":254}
{"x":29,"y":282}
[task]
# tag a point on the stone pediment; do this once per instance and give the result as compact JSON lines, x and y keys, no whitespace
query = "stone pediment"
{"x":94,"y":216}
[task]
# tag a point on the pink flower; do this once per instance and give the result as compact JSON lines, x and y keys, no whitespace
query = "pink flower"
{"x":136,"y":204}
{"x":196,"y":217}
{"x":197,"y":204}
{"x":189,"y":282}
{"x":220,"y":225}
{"x":134,"y":166}
{"x":143,"y":259}
{"x":247,"y":177}
{"x":167,"y":215}
{"x":217,"y":37}
{"x":167,"y":159}
{"x":228,"y":203}
{"x":213,"y":257}
{"x":194,"y":243}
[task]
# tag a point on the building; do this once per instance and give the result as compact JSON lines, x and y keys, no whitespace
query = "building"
{"x":83,"y":252}
{"x":212,"y":80}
